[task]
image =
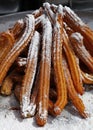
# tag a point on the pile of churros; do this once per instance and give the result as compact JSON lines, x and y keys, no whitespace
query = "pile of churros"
{"x":45,"y":59}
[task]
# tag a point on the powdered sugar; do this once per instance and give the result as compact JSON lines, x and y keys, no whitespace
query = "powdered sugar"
{"x":19,"y":46}
{"x":30,"y":25}
{"x":90,"y":77}
{"x":73,"y":16}
{"x":46,"y":40}
{"x":77,"y":36}
{"x":20,"y":21}
{"x":32,"y":109}
{"x":31,"y":66}
{"x":49,"y":11}
{"x":60,"y":9}
{"x":21,"y":61}
{"x":25,"y":106}
{"x":38,"y":12}
{"x":69,"y":118}
{"x":57,"y":45}
{"x":34,"y":47}
{"x":57,"y":109}
{"x":28,"y":109}
{"x":42,"y":113}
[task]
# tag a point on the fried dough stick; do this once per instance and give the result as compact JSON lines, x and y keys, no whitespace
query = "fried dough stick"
{"x":78,"y":25}
{"x":57,"y":22}
{"x":18,"y":47}
{"x":76,"y":41}
{"x":73,"y":65}
{"x":78,"y":103}
{"x":33,"y":96}
{"x":29,"y":76}
{"x":44,"y":74}
{"x":86,"y":77}
{"x":75,"y":23}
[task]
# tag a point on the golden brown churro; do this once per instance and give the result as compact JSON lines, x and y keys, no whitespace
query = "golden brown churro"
{"x":78,"y":103}
{"x":6,"y":43}
{"x":28,"y":80}
{"x":18,"y":47}
{"x":57,"y":59}
{"x":73,"y":65}
{"x":87,"y":78}
{"x":76,"y":40}
{"x":45,"y":66}
{"x":78,"y":25}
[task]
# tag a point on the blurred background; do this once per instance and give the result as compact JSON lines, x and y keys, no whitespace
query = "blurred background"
{"x":13,"y":6}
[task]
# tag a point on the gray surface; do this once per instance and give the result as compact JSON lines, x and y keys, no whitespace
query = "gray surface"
{"x":8,"y":20}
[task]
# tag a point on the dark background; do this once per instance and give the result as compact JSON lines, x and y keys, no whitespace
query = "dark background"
{"x":12,"y":6}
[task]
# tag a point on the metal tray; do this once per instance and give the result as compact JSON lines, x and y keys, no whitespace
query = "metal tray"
{"x":69,"y":118}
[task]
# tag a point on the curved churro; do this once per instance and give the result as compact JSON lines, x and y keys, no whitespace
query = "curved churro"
{"x":78,"y":25}
{"x":44,"y":74}
{"x":58,"y":69}
{"x":78,"y":103}
{"x":73,"y":65}
{"x":76,"y":40}
{"x":29,"y":75}
{"x":87,"y":78}
{"x":18,"y":47}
